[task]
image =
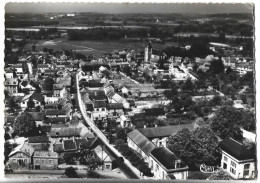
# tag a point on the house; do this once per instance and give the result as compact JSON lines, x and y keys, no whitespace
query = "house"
{"x":100,"y":110}
{"x":159,"y":135}
{"x":45,"y":160}
{"x":60,"y":134}
{"x":55,"y":113}
{"x":11,"y":85}
{"x":163,"y":163}
{"x":142,"y":145}
{"x":115,"y":109}
{"x":43,"y":67}
{"x":38,"y":117}
{"x":237,"y":160}
{"x":57,"y":89}
{"x":37,"y":98}
{"x":103,"y":157}
{"x":40,"y":143}
{"x":21,"y":157}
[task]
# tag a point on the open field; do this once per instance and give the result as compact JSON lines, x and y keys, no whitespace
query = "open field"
{"x":90,"y":47}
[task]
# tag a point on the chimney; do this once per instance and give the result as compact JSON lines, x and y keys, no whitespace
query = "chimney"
{"x":144,"y":126}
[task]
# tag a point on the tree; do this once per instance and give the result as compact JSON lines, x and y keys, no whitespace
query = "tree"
{"x":188,"y":86}
{"x":216,"y":100}
{"x":195,"y":148}
{"x":12,"y":104}
{"x":48,"y":84}
{"x":71,"y":172}
{"x":24,"y":125}
{"x":220,"y":175}
{"x":30,"y":103}
{"x":216,"y":67}
{"x":226,"y":122}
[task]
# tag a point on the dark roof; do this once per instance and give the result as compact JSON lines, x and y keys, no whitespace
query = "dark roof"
{"x":89,"y":107}
{"x":39,"y":139}
{"x":37,"y":96}
{"x":24,"y":83}
{"x":69,"y":145}
{"x":56,"y":120}
{"x":46,"y":128}
{"x":165,"y":157}
{"x":59,"y":125}
{"x":80,"y":142}
{"x":37,"y":116}
{"x":115,"y":106}
{"x":236,"y":149}
{"x":55,"y":112}
{"x":141,"y":141}
{"x":58,"y":147}
{"x":65,"y":132}
{"x":98,"y":104}
{"x":155,"y":111}
{"x":163,"y":131}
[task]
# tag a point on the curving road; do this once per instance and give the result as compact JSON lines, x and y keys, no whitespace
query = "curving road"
{"x":126,"y":166}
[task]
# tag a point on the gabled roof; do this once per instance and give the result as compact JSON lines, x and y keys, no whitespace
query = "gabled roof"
{"x":55,"y":112}
{"x":39,"y":139}
{"x":155,"y":111}
{"x":37,"y":96}
{"x":141,"y":141}
{"x":24,"y":148}
{"x":37,"y":116}
{"x":165,"y":157}
{"x":65,"y":132}
{"x":236,"y":149}
{"x":99,"y":104}
{"x":112,"y":106}
{"x":163,"y":131}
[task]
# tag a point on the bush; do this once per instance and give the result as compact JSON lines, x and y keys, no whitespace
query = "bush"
{"x":198,"y":175}
{"x":93,"y":174}
{"x":71,"y":172}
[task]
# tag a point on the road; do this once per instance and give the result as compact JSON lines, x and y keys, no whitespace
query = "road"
{"x":125,"y":166}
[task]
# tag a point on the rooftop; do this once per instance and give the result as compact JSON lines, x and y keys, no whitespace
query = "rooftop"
{"x":163,"y":131}
{"x":141,"y":141}
{"x":236,"y":149}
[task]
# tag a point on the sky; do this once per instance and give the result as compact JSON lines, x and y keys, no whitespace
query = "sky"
{"x":127,"y":8}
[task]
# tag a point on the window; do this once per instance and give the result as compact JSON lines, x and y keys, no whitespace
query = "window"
{"x":43,"y":161}
{"x":103,"y":109}
{"x":107,"y":166}
{"x":225,"y":158}
{"x":232,"y":170}
{"x":50,"y":162}
{"x":224,"y":166}
{"x":157,"y":167}
{"x":233,"y":164}
{"x":37,"y":161}
{"x":246,"y":169}
{"x":14,"y":160}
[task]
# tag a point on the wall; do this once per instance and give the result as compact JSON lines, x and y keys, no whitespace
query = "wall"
{"x":239,"y":166}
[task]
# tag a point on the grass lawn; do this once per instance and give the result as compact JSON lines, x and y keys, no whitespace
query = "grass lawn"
{"x":88,"y":47}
